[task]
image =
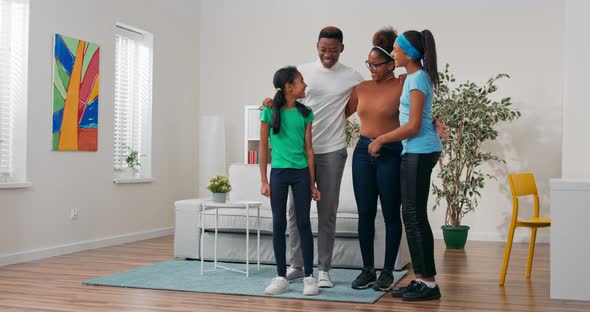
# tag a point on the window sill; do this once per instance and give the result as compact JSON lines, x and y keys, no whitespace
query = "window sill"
{"x":13,"y":185}
{"x":131,"y":180}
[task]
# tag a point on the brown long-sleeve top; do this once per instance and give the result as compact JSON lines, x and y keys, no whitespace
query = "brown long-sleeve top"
{"x":377,"y":105}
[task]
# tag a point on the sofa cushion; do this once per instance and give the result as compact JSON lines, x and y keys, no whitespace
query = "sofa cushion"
{"x":234,"y":220}
{"x":245,"y":181}
{"x":347,"y":202}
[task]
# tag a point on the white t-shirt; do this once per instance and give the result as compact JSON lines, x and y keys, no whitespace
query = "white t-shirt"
{"x":327,"y":93}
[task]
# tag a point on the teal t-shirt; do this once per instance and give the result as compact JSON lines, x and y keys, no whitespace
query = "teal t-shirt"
{"x":288,"y":146}
{"x":426,"y":141}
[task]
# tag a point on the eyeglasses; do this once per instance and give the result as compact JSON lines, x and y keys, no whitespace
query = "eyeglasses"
{"x":375,"y":65}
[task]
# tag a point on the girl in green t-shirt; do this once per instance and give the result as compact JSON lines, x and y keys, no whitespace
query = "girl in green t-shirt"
{"x":288,"y":125}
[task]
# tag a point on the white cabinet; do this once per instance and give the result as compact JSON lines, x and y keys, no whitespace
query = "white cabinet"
{"x":569,"y":231}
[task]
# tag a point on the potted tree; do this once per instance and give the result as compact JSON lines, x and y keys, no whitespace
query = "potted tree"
{"x":351,"y":134}
{"x":471,"y":115}
{"x":351,"y":131}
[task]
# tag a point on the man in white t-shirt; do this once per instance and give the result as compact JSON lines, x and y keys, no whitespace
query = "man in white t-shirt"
{"x":329,"y":85}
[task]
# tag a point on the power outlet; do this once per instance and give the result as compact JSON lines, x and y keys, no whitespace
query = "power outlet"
{"x":73,"y":214}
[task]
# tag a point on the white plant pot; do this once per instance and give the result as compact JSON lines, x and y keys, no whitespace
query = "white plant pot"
{"x":219,"y":197}
{"x":129,"y":173}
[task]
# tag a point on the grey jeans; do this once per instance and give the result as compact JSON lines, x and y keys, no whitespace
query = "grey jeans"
{"x":328,"y":172}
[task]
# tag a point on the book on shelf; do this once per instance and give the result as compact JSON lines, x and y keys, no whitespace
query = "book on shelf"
{"x":253,"y":157}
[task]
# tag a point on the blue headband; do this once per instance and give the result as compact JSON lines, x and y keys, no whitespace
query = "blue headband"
{"x":407,"y":47}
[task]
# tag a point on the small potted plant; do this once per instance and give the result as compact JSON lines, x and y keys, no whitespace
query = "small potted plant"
{"x":471,"y":114}
{"x":219,"y":185}
{"x":132,"y":161}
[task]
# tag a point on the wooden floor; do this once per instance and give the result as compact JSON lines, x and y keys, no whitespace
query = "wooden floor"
{"x":468,"y":281}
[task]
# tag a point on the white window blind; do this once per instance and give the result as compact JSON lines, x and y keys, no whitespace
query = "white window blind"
{"x":133,"y":97}
{"x":14,"y":31}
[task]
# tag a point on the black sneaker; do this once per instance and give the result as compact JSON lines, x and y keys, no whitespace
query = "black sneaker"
{"x":422,"y":293}
{"x":364,"y":280}
{"x":398,"y":293}
{"x":385,"y":281}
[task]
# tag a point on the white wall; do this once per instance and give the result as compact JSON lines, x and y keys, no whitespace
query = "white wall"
{"x":576,"y":108}
{"x":36,"y":219}
{"x":244,"y":42}
{"x":239,"y":45}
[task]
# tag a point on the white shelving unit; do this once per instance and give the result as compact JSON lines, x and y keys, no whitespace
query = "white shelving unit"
{"x":251,"y":129}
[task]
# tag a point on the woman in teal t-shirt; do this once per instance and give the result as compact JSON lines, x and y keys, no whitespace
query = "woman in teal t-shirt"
{"x":288,"y":125}
{"x":421,"y":149}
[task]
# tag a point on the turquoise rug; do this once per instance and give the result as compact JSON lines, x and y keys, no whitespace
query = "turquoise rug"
{"x":185,"y":276}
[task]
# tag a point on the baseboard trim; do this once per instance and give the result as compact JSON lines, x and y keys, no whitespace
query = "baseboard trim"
{"x":523,"y":236}
{"x":59,"y":250}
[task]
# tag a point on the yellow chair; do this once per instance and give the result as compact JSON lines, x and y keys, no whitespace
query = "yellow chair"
{"x":523,"y":184}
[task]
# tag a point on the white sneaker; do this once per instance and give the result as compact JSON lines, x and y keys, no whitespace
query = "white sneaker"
{"x":277,"y":286}
{"x":310,"y":286}
{"x":295,"y":274}
{"x":324,"y":280}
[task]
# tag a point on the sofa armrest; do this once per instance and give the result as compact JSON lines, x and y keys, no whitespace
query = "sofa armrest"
{"x":187,"y":233}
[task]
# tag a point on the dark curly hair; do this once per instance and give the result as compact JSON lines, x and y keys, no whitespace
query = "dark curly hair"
{"x":384,"y":38}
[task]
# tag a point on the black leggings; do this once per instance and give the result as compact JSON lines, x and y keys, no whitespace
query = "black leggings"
{"x":415,"y":186}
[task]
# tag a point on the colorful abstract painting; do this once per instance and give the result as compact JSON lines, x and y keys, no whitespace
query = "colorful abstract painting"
{"x":75,"y":94}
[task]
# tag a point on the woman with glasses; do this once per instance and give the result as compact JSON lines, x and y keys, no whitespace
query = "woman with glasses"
{"x":377,"y":103}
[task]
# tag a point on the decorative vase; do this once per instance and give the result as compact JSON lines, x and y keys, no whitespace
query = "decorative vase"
{"x":212,"y":160}
{"x":350,"y":152}
{"x":219,"y":197}
{"x":135,"y":172}
{"x":128,"y":173}
{"x":455,"y":236}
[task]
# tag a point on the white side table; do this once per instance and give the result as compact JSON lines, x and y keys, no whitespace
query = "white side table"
{"x":210,"y":205}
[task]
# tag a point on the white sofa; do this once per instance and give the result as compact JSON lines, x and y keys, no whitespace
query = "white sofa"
{"x":245,"y":180}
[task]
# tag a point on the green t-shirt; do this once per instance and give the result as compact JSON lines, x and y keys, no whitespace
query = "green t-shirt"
{"x":288,"y":146}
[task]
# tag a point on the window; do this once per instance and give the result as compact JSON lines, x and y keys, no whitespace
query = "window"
{"x":133,"y":101}
{"x":14,"y":38}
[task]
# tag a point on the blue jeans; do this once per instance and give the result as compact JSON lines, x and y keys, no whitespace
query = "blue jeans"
{"x":372,"y":178}
{"x":299,"y":181}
